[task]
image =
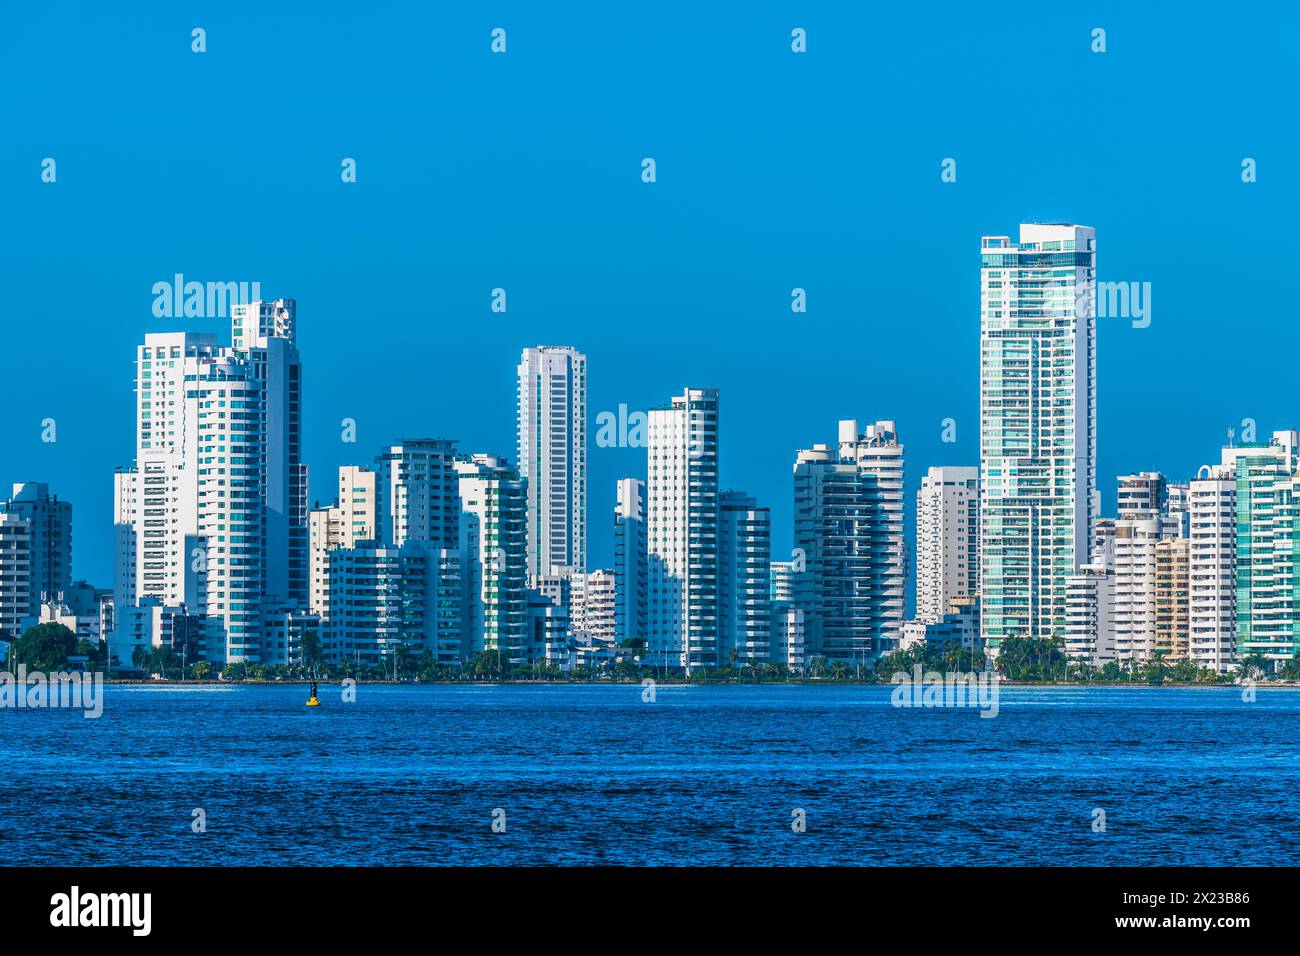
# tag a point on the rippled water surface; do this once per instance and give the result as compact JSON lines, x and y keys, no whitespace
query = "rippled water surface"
{"x":703,"y":775}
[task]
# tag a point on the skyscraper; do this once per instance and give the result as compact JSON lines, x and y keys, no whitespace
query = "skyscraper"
{"x":841,"y":541}
{"x":552,"y":458}
{"x":265,"y":333}
{"x":217,"y":501}
{"x":629,"y":561}
{"x":49,"y":536}
{"x":384,"y":599}
{"x":1172,"y":596}
{"x":878,"y":455}
{"x":1212,"y":568}
{"x":15,"y":574}
{"x":494,"y":521}
{"x":682,"y":531}
{"x":744,"y":581}
{"x":351,"y":519}
{"x":1038,"y":426}
{"x":159,"y":497}
{"x":1090,"y":614}
{"x":1268,"y":562}
{"x":1241,"y":568}
{"x":417,"y":493}
{"x":947,"y":541}
{"x":1134,"y":606}
{"x":786,"y":643}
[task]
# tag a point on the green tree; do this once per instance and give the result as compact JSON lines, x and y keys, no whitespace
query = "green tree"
{"x":45,"y":647}
{"x":1032,"y":659}
{"x":313,"y":656}
{"x":1253,"y":665}
{"x":1291,"y":669}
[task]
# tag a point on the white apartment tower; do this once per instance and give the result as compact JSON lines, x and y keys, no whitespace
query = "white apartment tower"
{"x":878,"y":455}
{"x":265,"y":335}
{"x":49,"y":543}
{"x":1038,"y":425}
{"x":214,"y":514}
{"x":494,"y":529}
{"x":416,"y":490}
{"x":682,"y":531}
{"x":552,"y":459}
{"x":15,"y":574}
{"x":1134,"y":609}
{"x":1212,"y":568}
{"x":947,"y":541}
{"x":352,"y":519}
{"x":1089,"y":614}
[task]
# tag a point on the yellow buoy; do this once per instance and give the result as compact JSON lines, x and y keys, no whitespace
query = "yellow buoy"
{"x":312,"y":701}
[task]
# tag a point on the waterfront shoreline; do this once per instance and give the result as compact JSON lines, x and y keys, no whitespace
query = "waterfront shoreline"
{"x":668,"y":682}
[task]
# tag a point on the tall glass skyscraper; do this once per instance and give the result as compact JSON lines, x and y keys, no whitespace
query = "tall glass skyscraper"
{"x":682,"y":531}
{"x":214,"y":513}
{"x":1038,"y":425}
{"x":552,"y":436}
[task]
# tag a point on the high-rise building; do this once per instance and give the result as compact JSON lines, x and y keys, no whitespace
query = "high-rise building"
{"x":1212,"y":568}
{"x":1268,"y":561}
{"x":947,"y":541}
{"x":592,"y":608}
{"x":1141,"y":495}
{"x":265,"y":334}
{"x":840,"y":537}
{"x":781,"y":581}
{"x":49,"y":544}
{"x":125,"y":546}
{"x":786,"y":643}
{"x":1174,"y":518}
{"x":682,"y":531}
{"x":629,"y":561}
{"x":384,"y":599}
{"x":1172,"y":598}
{"x":1038,"y":426}
{"x":1134,"y":606}
{"x":217,"y":501}
{"x":552,"y":457}
{"x":416,"y":490}
{"x":546,"y":631}
{"x":744,"y":585}
{"x":353,"y":518}
{"x":1089,"y":614}
{"x":159,"y":497}
{"x":1240,"y":564}
{"x":494,"y":525}
{"x":879,"y":456}
{"x":15,"y":574}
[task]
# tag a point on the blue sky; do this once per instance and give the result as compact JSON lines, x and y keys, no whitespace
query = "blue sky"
{"x":522,"y":171}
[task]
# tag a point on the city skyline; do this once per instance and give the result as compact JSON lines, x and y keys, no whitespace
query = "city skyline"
{"x":457,"y":551}
{"x":265,"y":337}
{"x":757,"y":194}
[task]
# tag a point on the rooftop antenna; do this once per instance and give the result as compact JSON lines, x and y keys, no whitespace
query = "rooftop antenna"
{"x":1232,"y":432}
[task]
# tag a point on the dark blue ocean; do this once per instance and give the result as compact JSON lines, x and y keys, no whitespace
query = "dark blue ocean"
{"x":703,"y":775}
